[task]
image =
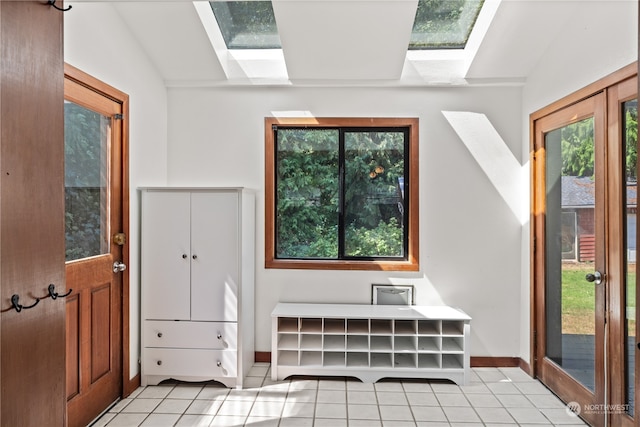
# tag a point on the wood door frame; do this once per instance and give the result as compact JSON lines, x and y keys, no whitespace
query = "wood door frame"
{"x":72,"y":73}
{"x":617,"y":95}
{"x":537,"y":195}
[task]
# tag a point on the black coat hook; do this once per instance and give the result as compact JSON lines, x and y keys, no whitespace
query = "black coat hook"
{"x":16,"y":303}
{"x":53,"y":294}
{"x":53,"y":3}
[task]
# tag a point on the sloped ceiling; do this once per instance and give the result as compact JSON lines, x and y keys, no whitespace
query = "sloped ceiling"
{"x":174,"y":38}
{"x":352,"y":42}
{"x":346,"y":40}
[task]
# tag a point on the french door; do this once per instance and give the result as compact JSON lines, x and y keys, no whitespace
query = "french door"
{"x":585,"y":190}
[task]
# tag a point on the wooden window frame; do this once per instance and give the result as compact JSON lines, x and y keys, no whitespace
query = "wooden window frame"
{"x":412,"y":261}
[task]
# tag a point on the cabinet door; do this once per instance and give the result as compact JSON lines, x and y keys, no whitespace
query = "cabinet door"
{"x":165,"y":255}
{"x":215,"y":245}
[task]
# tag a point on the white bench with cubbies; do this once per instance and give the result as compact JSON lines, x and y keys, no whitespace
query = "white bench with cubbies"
{"x":370,"y":342}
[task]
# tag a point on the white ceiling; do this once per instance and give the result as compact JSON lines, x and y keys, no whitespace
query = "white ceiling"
{"x":351,"y":42}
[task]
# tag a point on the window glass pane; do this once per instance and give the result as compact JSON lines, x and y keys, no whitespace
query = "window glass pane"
{"x":373,"y":201}
{"x":307,"y":193}
{"x":247,"y":24}
{"x":443,"y":24}
{"x":86,"y":147}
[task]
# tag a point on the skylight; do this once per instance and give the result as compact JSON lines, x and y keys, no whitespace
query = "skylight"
{"x":247,"y":24}
{"x":438,"y":24}
{"x":443,"y":24}
{"x":422,"y":41}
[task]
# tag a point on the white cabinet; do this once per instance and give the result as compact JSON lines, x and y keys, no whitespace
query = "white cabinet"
{"x":197,"y":258}
{"x":370,"y":342}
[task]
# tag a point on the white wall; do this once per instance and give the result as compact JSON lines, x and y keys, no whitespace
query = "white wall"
{"x":474,"y":249}
{"x":97,"y":42}
{"x":469,"y":236}
{"x":601,"y":38}
{"x":585,"y":51}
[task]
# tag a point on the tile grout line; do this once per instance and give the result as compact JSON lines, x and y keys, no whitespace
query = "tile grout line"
{"x":473,"y":408}
{"x":520,"y":393}
{"x":494,"y":392}
{"x":284,"y":403}
{"x":404,"y":392}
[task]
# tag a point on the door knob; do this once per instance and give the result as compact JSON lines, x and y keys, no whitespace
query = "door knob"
{"x":119,"y":266}
{"x":595,"y":277}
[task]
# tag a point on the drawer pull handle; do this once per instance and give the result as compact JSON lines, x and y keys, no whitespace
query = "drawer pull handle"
{"x":159,"y":334}
{"x":219,"y":336}
{"x":159,"y":362}
{"x":219,"y":364}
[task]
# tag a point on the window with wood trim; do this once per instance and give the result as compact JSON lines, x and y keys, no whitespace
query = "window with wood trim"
{"x":341,"y":194}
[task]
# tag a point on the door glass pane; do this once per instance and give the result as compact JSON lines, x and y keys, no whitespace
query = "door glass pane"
{"x":86,"y":147}
{"x":630,"y":129}
{"x":307,"y":193}
{"x":570,"y":250}
{"x":374,"y":190}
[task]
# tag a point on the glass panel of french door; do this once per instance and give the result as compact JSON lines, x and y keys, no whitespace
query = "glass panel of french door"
{"x":570,"y":252}
{"x":630,"y":138}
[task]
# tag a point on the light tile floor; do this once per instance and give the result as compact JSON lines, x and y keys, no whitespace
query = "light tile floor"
{"x":497,"y":397}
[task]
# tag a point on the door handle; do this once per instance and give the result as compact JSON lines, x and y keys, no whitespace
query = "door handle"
{"x":119,"y":266}
{"x":595,"y":277}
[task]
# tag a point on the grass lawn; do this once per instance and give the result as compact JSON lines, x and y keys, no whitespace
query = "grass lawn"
{"x":578,"y":299}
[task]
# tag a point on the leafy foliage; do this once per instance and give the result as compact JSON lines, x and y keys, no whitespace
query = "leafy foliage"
{"x":577,"y":145}
{"x":374,"y":162}
{"x":631,"y":137}
{"x":383,"y":240}
{"x":308,"y":193}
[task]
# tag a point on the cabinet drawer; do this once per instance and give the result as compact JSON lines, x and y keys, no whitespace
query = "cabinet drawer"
{"x":191,"y":334}
{"x":175,"y":362}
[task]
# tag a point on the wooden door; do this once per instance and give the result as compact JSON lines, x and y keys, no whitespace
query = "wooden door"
{"x":31,"y":215}
{"x":585,"y":252}
{"x":622,"y":114}
{"x":570,"y":224}
{"x":94,"y":223}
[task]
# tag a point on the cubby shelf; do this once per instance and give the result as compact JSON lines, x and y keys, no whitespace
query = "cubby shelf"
{"x":370,"y":342}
